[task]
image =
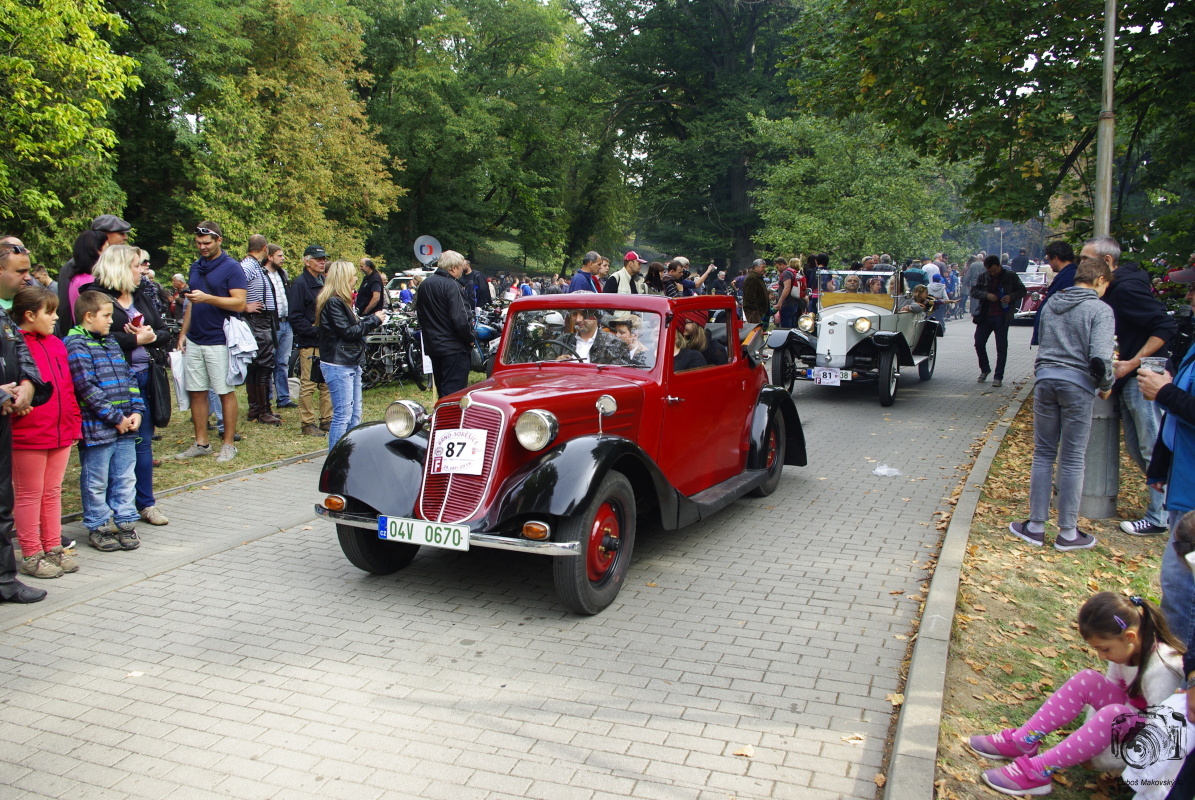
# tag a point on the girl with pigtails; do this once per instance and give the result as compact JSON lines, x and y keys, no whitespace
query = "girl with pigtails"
{"x":1144,"y":668}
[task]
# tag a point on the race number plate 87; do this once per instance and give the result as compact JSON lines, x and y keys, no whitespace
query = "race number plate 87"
{"x":420,"y":531}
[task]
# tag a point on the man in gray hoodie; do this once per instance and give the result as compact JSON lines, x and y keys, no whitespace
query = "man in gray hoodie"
{"x":1074,"y":363}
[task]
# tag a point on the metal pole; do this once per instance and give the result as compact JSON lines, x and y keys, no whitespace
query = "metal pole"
{"x":1106,"y":140}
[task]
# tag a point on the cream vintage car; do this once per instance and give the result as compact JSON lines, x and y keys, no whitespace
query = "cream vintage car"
{"x":867,"y":327}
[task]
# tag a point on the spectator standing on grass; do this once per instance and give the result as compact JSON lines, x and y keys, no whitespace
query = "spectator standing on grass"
{"x":342,"y":346}
{"x":142,"y":337}
{"x":301,"y":298}
{"x":260,"y":305}
{"x":585,"y":279}
{"x":42,"y":439}
{"x":755,"y":293}
{"x":444,"y":319}
{"x":1143,"y":329}
{"x":371,"y":296}
{"x":1074,"y":363}
{"x":217,"y":291}
{"x":21,"y":380}
{"x":1172,"y":462}
{"x":76,"y":273}
{"x":112,"y":409}
{"x":279,"y":284}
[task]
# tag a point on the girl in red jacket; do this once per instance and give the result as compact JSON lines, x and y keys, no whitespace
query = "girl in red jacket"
{"x":42,"y":439}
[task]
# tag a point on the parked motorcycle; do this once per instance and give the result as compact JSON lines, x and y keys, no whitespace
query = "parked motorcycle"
{"x":394,"y":352}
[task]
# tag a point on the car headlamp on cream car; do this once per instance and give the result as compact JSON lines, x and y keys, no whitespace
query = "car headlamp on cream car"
{"x":561,"y":452}
{"x":866,"y":329}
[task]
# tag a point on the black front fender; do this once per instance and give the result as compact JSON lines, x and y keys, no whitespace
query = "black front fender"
{"x":564,"y":480}
{"x":885,"y":340}
{"x":369,"y":465}
{"x":775,"y":400}
{"x":797,"y":341}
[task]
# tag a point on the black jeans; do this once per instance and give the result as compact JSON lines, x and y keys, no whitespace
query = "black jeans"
{"x":451,"y":372}
{"x":261,"y":368}
{"x":985,"y":326}
{"x":8,"y":562}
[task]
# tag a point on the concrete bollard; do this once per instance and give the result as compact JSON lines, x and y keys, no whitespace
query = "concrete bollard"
{"x":1101,"y":476}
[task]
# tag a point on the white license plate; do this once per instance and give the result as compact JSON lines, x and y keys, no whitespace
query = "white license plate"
{"x":420,"y":531}
{"x":828,"y":377}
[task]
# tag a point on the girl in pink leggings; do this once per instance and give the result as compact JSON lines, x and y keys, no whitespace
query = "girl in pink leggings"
{"x":41,"y":441}
{"x":1144,"y":668}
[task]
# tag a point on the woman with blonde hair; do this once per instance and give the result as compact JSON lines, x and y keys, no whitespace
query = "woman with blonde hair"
{"x":342,"y":345}
{"x":138,"y":327}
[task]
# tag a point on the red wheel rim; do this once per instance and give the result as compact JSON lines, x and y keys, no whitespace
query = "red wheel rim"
{"x":598,"y":559}
{"x":773,"y":445}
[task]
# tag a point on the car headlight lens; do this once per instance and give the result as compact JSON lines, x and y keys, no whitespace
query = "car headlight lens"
{"x":806,"y":323}
{"x":862,"y":325}
{"x":536,"y":429}
{"x":404,"y":418}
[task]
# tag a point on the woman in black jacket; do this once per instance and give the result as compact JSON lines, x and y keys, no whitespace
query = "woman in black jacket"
{"x":142,"y":335}
{"x":342,"y":346}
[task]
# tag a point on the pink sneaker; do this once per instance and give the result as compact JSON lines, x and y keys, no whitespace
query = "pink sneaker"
{"x":1002,"y":746}
{"x":1018,"y":778}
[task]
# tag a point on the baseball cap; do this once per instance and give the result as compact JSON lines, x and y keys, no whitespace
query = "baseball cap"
{"x":633,"y":256}
{"x":1181,"y":275}
{"x":110,"y":223}
{"x":314,"y":251}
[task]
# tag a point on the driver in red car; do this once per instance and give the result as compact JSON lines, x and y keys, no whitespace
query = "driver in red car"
{"x":592,"y":344}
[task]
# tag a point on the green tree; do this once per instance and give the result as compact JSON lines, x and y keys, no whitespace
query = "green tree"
{"x":847,"y":188}
{"x":58,"y":77}
{"x":1014,"y":89}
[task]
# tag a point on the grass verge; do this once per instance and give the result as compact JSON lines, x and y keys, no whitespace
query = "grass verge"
{"x":1015,"y":639}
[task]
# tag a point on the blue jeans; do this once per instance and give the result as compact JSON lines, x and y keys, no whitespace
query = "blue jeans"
{"x":1139,"y":421}
{"x":215,"y":407}
{"x":788,"y":315}
{"x":1178,"y":587}
{"x":107,"y":482}
{"x":344,"y":387}
{"x":286,"y":342}
{"x":1061,"y":429}
{"x":145,"y":448}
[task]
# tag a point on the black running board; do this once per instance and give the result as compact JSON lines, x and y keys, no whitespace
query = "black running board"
{"x":719,"y":496}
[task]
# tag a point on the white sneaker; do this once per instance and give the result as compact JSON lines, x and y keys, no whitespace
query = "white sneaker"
{"x":195,"y":450}
{"x":227,"y":453}
{"x":153,"y":516}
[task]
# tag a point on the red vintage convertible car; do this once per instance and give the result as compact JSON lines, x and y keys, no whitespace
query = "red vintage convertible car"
{"x":589,"y":426}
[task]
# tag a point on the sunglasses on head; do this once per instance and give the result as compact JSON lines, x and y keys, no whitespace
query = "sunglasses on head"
{"x":145,"y":263}
{"x":207,"y":232}
{"x":19,"y":249}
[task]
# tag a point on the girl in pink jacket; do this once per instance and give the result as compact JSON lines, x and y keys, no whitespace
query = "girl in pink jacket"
{"x":42,"y":439}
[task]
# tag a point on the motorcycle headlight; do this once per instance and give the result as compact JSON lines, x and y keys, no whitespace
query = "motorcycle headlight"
{"x":862,"y":325}
{"x":404,"y":418}
{"x":536,"y":429}
{"x":806,"y":323}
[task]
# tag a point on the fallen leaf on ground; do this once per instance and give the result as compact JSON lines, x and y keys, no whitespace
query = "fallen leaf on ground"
{"x":652,"y":583}
{"x":854,"y":738}
{"x":880,"y":780}
{"x":746,"y":750}
{"x":895,"y":698}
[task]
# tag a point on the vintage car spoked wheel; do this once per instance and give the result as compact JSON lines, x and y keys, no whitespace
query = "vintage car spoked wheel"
{"x":589,"y":581}
{"x":925,"y":370}
{"x":366,"y":551}
{"x":784,"y":369}
{"x":889,"y":373}
{"x":773,"y":456}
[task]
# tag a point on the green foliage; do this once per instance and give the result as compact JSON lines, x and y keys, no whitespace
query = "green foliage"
{"x":58,"y":77}
{"x":1014,"y":89}
{"x":847,"y":188}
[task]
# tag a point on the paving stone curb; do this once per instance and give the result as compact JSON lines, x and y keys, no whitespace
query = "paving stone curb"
{"x":240,"y":473}
{"x":912,"y":766}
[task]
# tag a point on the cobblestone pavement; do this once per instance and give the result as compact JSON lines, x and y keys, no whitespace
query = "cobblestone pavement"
{"x":248,"y":659}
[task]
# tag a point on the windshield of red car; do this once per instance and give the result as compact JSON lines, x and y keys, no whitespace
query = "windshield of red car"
{"x":614,"y":336}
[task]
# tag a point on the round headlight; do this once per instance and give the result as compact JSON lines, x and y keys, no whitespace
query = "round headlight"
{"x":404,"y":418}
{"x":862,"y":325}
{"x":806,"y":322}
{"x":536,"y":429}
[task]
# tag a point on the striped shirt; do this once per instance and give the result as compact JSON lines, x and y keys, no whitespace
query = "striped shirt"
{"x":255,"y":279}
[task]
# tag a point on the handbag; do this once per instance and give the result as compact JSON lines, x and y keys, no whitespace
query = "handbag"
{"x":159,"y":394}
{"x":317,"y":374}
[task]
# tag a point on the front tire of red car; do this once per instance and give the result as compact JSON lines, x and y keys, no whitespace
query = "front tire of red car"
{"x":366,"y":551}
{"x":605,"y":532}
{"x":773,"y":456}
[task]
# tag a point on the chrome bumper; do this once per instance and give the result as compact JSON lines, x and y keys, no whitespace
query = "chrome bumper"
{"x":475,"y":539}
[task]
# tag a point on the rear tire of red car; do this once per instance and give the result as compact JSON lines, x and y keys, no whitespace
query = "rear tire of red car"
{"x":366,"y":551}
{"x":773,"y":455}
{"x":589,"y":581}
